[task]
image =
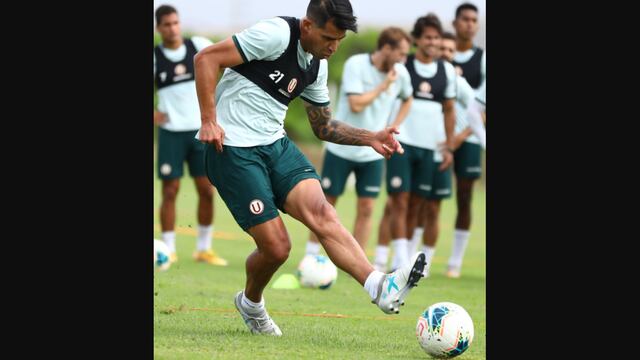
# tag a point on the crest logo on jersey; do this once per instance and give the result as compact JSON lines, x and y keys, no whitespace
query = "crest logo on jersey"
{"x":165,"y":169}
{"x":425,"y":87}
{"x":256,"y":207}
{"x":163,"y":76}
{"x":424,"y":90}
{"x":458,"y":70}
{"x":292,"y":85}
{"x":180,"y":69}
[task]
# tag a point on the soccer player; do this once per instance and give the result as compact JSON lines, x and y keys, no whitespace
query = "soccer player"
{"x":470,"y":61}
{"x":371,"y":82}
{"x":428,"y":218}
{"x":178,"y":120}
{"x":258,"y":170}
{"x":417,"y":175}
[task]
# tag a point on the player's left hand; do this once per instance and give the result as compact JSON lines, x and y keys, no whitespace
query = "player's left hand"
{"x":385,"y":144}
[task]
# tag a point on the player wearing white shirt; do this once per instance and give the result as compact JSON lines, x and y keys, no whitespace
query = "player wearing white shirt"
{"x":416,"y":176}
{"x":258,"y":171}
{"x":471,"y":61}
{"x":178,"y":119}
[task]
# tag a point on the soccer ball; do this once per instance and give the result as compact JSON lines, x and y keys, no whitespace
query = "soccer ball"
{"x":161,"y":255}
{"x":444,"y":330}
{"x":317,"y":271}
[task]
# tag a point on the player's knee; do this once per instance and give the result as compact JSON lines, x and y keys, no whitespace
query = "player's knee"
{"x":279,"y":253}
{"x":399,"y":205}
{"x":464,"y":198}
{"x":432,"y":210}
{"x":323,"y":217}
{"x":170,"y":192}
{"x":206,"y":192}
{"x":365,"y":211}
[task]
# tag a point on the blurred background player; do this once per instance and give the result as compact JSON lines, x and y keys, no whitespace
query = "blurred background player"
{"x":428,"y":227}
{"x":370,"y":85}
{"x":470,"y":62}
{"x":178,"y":120}
{"x":415,"y":175}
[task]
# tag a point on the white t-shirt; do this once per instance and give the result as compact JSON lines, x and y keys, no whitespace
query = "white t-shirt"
{"x":360,"y":76}
{"x":248,"y":114}
{"x":465,"y":95}
{"x":425,"y":118}
{"x":180,"y":101}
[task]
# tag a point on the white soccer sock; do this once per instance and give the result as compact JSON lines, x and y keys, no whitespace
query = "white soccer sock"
{"x":372,"y":282}
{"x":205,"y":232}
{"x":416,"y":240}
{"x":169,"y":238}
{"x":382,"y":255}
{"x":400,"y":248}
{"x":460,"y":241}
{"x":252,"y":307}
{"x":313,"y":248}
{"x":428,"y":252}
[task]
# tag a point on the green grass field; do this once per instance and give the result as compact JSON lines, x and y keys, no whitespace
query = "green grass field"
{"x":194,"y":316}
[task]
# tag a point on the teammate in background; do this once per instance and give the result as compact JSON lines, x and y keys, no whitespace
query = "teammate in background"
{"x":470,"y":62}
{"x":178,"y":120}
{"x":416,"y":176}
{"x":428,"y":227}
{"x":370,"y":85}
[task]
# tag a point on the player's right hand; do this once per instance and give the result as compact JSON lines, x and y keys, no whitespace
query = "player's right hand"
{"x":212,"y":133}
{"x":392,"y":75}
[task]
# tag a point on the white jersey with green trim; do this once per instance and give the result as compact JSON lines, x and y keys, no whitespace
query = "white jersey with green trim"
{"x":180,"y":101}
{"x":420,"y":127}
{"x":248,"y":114}
{"x":465,"y":94}
{"x":360,"y":76}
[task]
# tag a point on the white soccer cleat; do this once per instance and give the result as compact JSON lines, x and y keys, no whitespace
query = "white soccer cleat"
{"x":395,"y":286}
{"x":261,"y":324}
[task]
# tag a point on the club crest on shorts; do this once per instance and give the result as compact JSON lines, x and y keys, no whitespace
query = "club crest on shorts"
{"x":292,"y":85}
{"x":165,"y":169}
{"x":326,"y":183}
{"x":396,"y":181}
{"x":256,"y":207}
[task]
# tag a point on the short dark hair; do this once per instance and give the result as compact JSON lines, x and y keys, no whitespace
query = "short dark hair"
{"x":465,"y":6}
{"x":448,"y":35}
{"x":429,"y":20}
{"x":164,"y":10}
{"x":321,"y":11}
{"x":392,"y":36}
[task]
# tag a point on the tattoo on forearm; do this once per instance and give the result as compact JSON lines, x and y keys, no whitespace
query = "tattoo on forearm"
{"x":334,"y":131}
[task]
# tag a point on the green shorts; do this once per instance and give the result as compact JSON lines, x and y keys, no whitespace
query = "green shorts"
{"x":466,"y":161}
{"x":336,"y":170}
{"x":254,"y":181}
{"x":416,"y":171}
{"x":176,"y":147}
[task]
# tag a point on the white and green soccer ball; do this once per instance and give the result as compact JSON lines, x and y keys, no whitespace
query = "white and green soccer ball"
{"x":444,"y":330}
{"x":161,"y":255}
{"x":317,"y":271}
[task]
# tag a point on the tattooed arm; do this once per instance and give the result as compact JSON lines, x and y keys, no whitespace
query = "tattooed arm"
{"x":334,"y":131}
